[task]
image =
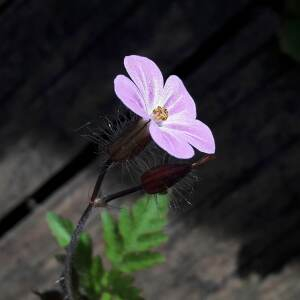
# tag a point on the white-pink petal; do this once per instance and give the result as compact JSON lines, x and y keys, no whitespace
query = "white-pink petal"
{"x":177,"y":100}
{"x":196,"y":133}
{"x":129,"y":94}
{"x":171,"y":141}
{"x":147,"y":77}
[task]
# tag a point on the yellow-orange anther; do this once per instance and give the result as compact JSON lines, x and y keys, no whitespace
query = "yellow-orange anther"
{"x":160,"y":113}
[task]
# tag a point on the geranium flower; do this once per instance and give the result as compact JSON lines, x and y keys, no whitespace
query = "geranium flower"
{"x":168,"y":107}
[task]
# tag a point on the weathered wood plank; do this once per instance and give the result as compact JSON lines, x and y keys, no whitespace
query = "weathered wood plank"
{"x":200,"y":260}
{"x":43,"y":119}
{"x":265,"y":213}
{"x":210,"y":262}
{"x":276,"y":287}
{"x":39,"y":39}
{"x":247,"y":193}
{"x":44,"y":44}
{"x":251,"y":132}
{"x":271,"y":236}
{"x":23,"y":257}
{"x":48,"y":127}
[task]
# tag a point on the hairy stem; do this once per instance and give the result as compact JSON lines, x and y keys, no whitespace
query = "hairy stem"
{"x":123,"y":193}
{"x":67,"y":282}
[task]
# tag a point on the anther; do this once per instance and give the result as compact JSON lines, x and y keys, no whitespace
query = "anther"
{"x":160,"y":113}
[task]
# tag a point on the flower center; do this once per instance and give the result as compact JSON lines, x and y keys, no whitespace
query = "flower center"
{"x":160,"y":113}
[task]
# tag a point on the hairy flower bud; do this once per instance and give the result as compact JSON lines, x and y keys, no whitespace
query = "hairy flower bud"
{"x":159,"y":179}
{"x":131,"y":142}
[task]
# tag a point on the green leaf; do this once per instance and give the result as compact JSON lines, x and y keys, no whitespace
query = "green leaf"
{"x":96,"y":274}
{"x":112,"y":239}
{"x":91,"y":279}
{"x":125,"y":225}
{"x":290,"y":38}
{"x":122,"y":287}
{"x":61,"y":229}
{"x":88,"y":270}
{"x":138,"y":261}
{"x":146,"y":223}
{"x":106,"y":296}
{"x":129,"y":245}
{"x":130,"y":241}
{"x":84,"y":251}
{"x":151,"y":240}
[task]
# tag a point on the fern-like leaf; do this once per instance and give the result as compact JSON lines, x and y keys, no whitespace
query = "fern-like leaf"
{"x":136,"y":261}
{"x":130,"y":241}
{"x":88,"y":269}
{"x":119,"y":286}
{"x":60,"y":228}
{"x":111,"y":236}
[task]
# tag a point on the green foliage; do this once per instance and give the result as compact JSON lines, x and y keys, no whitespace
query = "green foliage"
{"x":87,"y":267}
{"x":119,"y":285}
{"x":129,"y":241}
{"x":129,"y":247}
{"x":60,"y":228}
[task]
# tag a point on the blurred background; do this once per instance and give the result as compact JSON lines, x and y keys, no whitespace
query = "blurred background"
{"x":240,"y":62}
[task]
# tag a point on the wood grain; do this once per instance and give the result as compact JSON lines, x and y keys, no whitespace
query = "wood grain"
{"x":77,"y":68}
{"x":245,"y":213}
{"x":194,"y":254}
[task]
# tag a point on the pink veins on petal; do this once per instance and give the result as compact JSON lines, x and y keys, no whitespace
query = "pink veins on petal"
{"x":169,"y":108}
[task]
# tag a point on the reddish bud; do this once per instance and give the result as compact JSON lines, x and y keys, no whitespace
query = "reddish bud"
{"x":159,"y":179}
{"x":131,"y":142}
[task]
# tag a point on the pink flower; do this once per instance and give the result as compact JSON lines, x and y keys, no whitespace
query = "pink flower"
{"x":168,"y":107}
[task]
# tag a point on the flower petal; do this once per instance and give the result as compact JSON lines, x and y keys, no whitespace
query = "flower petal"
{"x":171,"y":141}
{"x":147,"y":77}
{"x":129,"y":94}
{"x":177,"y":100}
{"x":196,"y":133}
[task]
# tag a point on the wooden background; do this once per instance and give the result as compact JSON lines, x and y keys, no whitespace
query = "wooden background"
{"x":241,"y":238}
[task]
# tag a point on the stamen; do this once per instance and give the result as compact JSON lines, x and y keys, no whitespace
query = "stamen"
{"x":160,"y":113}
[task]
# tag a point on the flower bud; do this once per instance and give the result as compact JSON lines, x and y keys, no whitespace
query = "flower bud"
{"x":159,"y":179}
{"x":131,"y":142}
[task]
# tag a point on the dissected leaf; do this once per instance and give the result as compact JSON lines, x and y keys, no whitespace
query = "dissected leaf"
{"x":106,"y":296}
{"x":84,"y":263}
{"x":96,"y":274}
{"x":91,"y":280}
{"x":129,"y":247}
{"x":61,"y":228}
{"x":122,"y":287}
{"x":130,"y":240}
{"x":84,"y":253}
{"x":112,"y":239}
{"x":140,"y":260}
{"x":144,"y":225}
{"x":151,"y":240}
